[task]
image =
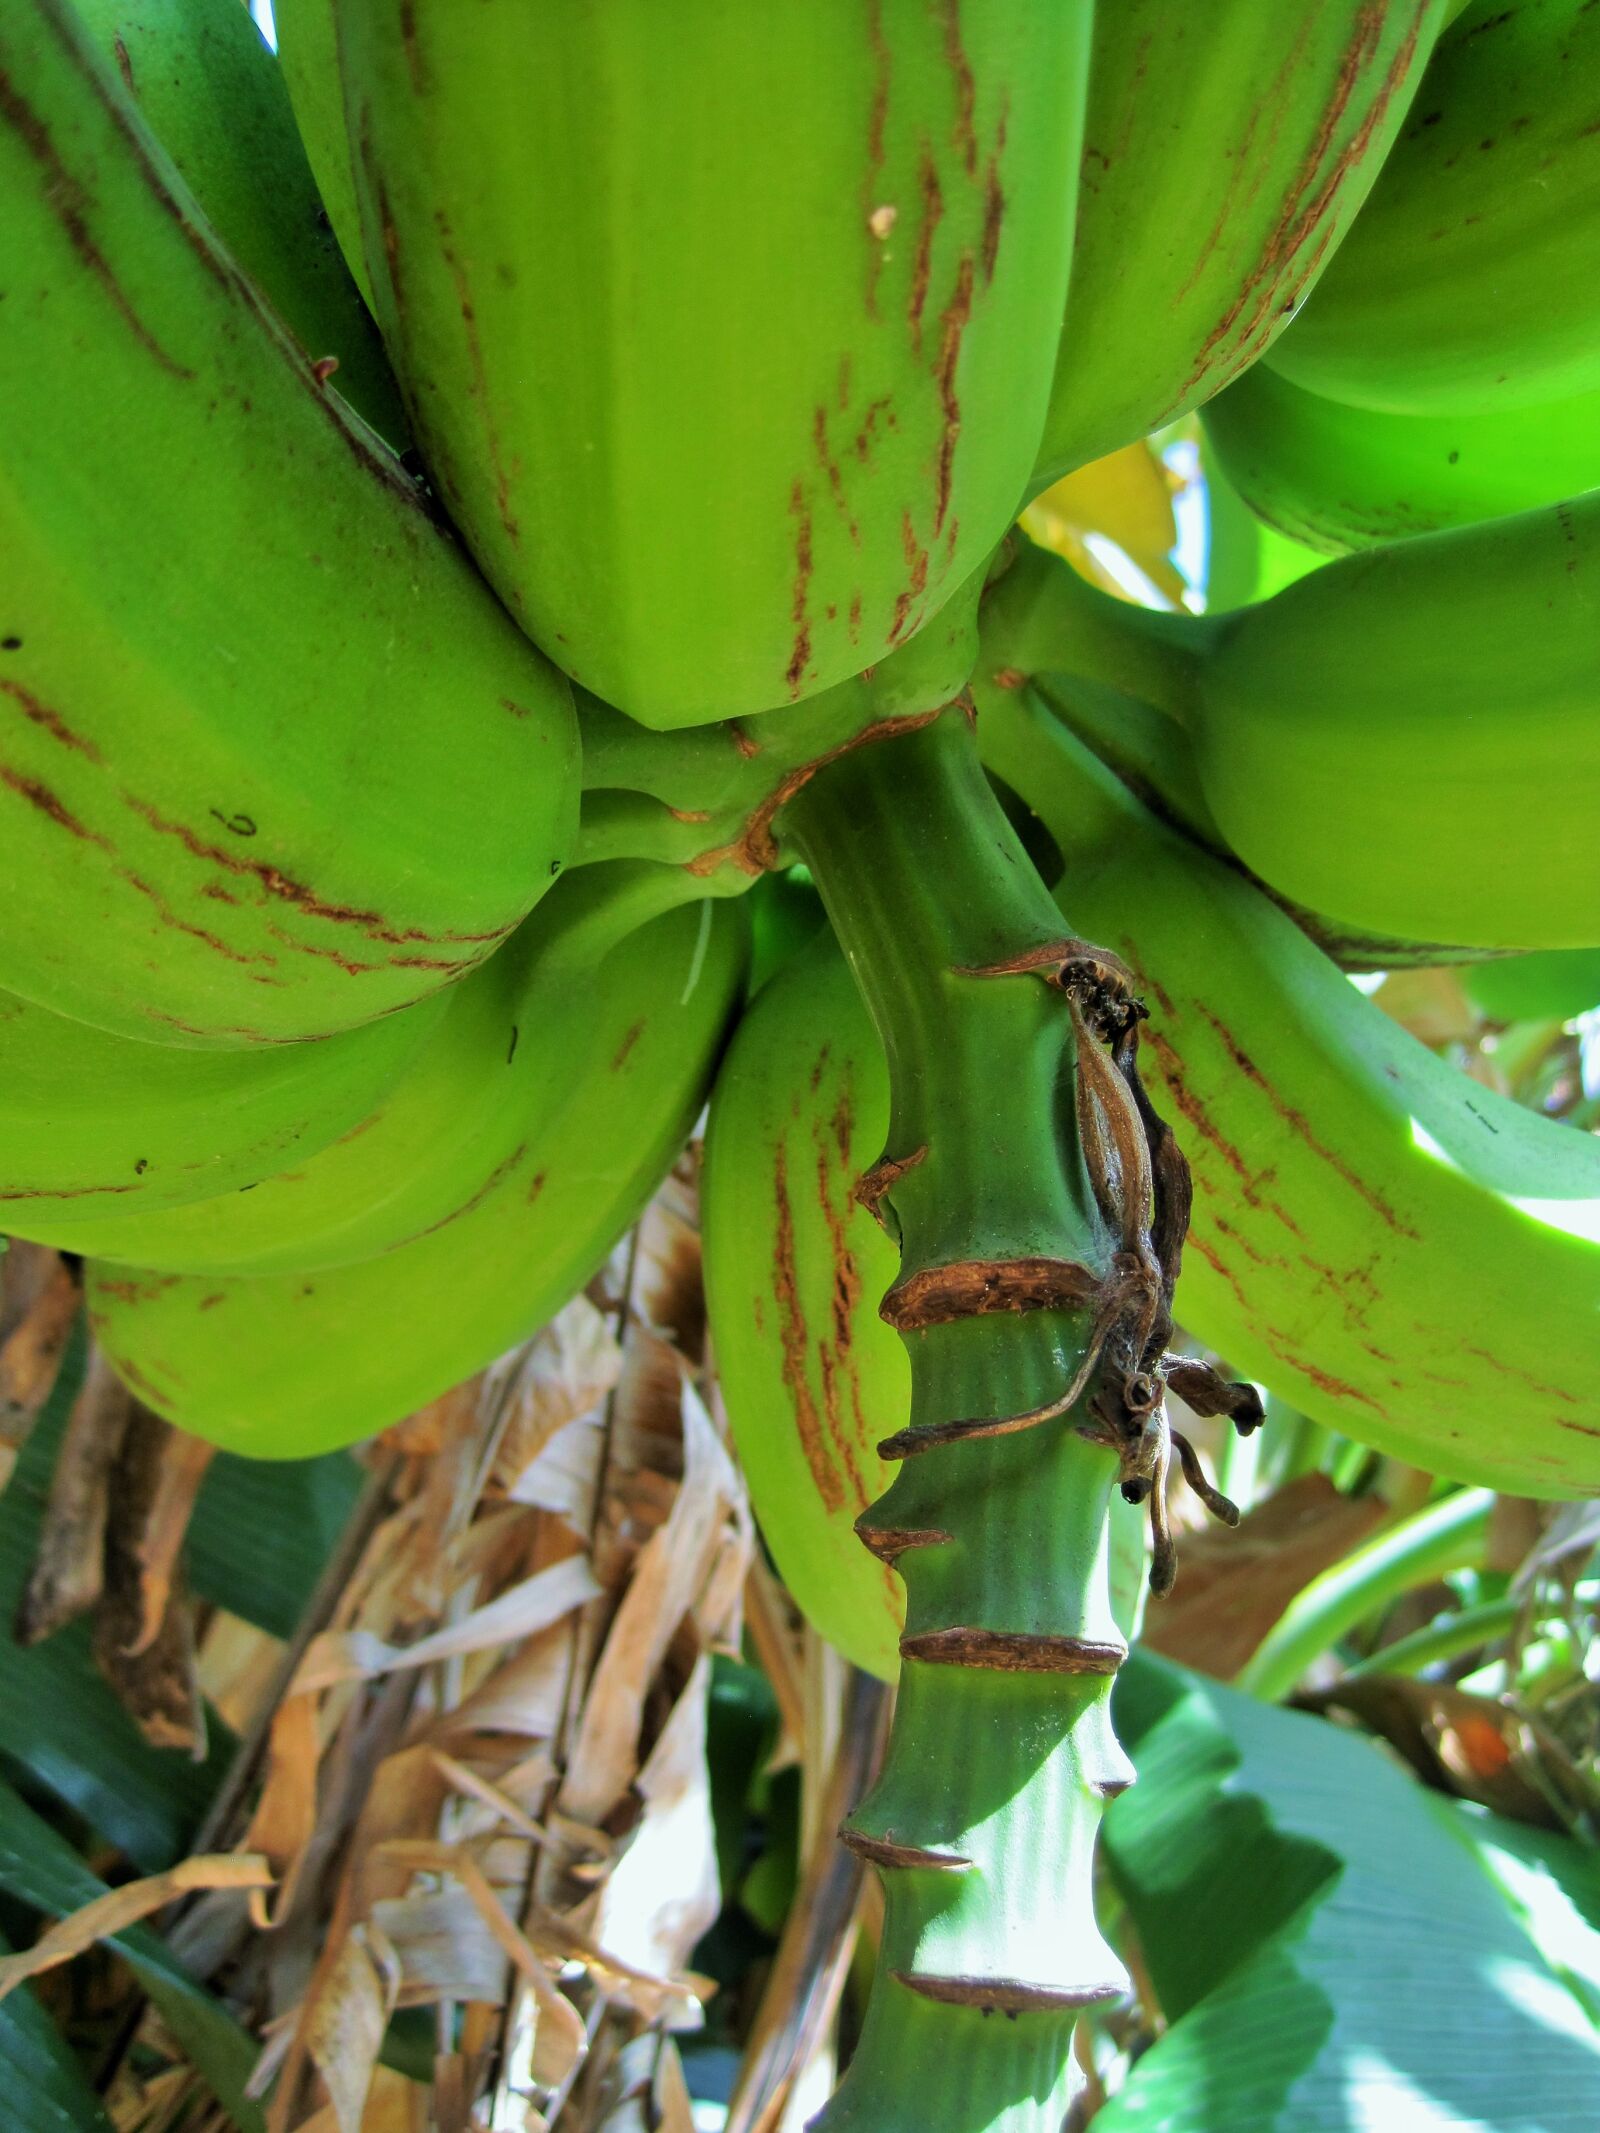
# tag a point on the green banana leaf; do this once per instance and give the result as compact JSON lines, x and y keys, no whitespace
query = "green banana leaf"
{"x":1336,"y":1949}
{"x":263,"y":1530}
{"x":39,"y":1867}
{"x":64,"y":1730}
{"x":41,"y":2083}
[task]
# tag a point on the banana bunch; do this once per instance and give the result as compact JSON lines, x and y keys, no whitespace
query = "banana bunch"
{"x":726,"y":334}
{"x":1405,"y":741}
{"x":1227,"y":152}
{"x":209,"y":90}
{"x":1471,"y":280}
{"x":1400,"y":1252}
{"x":1337,"y":476}
{"x":519,"y":1149}
{"x":273,"y":763}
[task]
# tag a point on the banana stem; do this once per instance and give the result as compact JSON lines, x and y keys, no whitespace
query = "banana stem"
{"x":1041,"y":617}
{"x":1002,"y":1755}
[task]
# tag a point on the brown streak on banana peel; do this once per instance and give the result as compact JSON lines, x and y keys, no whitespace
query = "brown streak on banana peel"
{"x":888,"y":1543}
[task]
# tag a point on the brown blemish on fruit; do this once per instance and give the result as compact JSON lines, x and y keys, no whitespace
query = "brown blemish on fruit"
{"x":795,"y":1342}
{"x":836,"y":1355}
{"x":877,"y":411}
{"x":480,"y":379}
{"x":1284,"y":267}
{"x":888,"y":1543}
{"x":619,"y":1058}
{"x":994,"y":198}
{"x":931,"y":197}
{"x":830,"y":467}
{"x":960,"y":66}
{"x":877,"y":125}
{"x":69,"y":203}
{"x":800,"y":654}
{"x":742,"y":741}
{"x":917,"y":564}
{"x":953,"y":325}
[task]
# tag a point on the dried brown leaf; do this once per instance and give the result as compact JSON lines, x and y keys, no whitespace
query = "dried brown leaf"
{"x":39,"y":1297}
{"x":533,"y":1605}
{"x":120,"y":1908}
{"x":563,"y":1374}
{"x":345,"y":2024}
{"x":68,"y":1572}
{"x":285,"y":1819}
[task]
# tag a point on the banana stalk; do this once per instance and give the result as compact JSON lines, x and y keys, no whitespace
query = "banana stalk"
{"x":1030,"y":1296}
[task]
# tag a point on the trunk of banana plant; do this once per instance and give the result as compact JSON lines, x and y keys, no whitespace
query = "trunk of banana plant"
{"x":1019,"y":1175}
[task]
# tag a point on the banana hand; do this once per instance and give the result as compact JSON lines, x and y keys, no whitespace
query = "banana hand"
{"x":273,"y":762}
{"x":281,"y":1366}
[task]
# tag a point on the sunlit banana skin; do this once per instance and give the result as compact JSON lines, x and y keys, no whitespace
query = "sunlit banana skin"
{"x":93,"y":1125}
{"x":1227,"y":151}
{"x":213,"y":96}
{"x":1400,"y":1252}
{"x":285,"y":1365}
{"x":1472,"y":279}
{"x":272,"y":761}
{"x":726,"y":333}
{"x":500,"y":1061}
{"x":1354,"y":735}
{"x":795,"y":1265}
{"x":1339,"y":477}
{"x":1409,"y":739}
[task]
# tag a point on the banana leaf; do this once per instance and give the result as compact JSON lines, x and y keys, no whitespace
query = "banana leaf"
{"x":41,"y":2083}
{"x":1336,"y":1949}
{"x":262,"y":1531}
{"x":39,"y":1868}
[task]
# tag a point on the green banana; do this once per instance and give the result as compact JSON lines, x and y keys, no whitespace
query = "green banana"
{"x":272,"y":761}
{"x":1339,"y":477}
{"x":1404,"y":1255}
{"x":725,"y":332}
{"x":1405,"y":741}
{"x":213,"y":96}
{"x":1553,"y":987}
{"x":795,"y":1265}
{"x":88,"y":1120}
{"x":308,"y":53}
{"x":1226,"y":152}
{"x":1246,"y":560}
{"x":501,"y":1060}
{"x":1472,"y":279}
{"x":281,"y":1366}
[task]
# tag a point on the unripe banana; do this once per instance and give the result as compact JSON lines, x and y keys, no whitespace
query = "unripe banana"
{"x":1472,"y":279}
{"x":1406,"y":741}
{"x":795,"y":1269}
{"x":1554,"y":986}
{"x":272,"y":761}
{"x":213,"y":96}
{"x":1409,"y":739}
{"x":281,"y":1366}
{"x":1403,"y":1254}
{"x":726,"y":333}
{"x":308,"y":52}
{"x":1226,"y":151}
{"x":500,"y":1062}
{"x":91,"y":1123}
{"x":1339,"y":477}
